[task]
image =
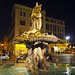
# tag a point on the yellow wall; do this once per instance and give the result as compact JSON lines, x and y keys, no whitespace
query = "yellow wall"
{"x":20,"y":49}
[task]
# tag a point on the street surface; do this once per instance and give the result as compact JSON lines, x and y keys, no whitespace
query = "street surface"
{"x":58,"y":58}
{"x":64,"y":58}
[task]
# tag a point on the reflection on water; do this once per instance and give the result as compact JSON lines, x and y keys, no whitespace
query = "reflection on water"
{"x":19,"y":69}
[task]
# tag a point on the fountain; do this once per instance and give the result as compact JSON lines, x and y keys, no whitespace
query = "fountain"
{"x":36,"y":42}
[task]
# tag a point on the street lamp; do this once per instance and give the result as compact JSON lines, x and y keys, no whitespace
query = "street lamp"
{"x":67,"y":37}
{"x":67,"y":40}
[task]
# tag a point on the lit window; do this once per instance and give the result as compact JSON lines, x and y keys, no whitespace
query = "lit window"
{"x":61,"y":29}
{"x":56,"y":21}
{"x":51,"y":27}
{"x":22,"y":14}
{"x":22,"y":22}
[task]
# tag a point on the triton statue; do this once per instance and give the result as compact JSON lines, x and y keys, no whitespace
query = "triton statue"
{"x":36,"y":17}
{"x":35,"y":20}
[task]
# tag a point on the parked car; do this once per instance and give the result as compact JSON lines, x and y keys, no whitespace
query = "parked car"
{"x":4,"y":56}
{"x":21,"y":56}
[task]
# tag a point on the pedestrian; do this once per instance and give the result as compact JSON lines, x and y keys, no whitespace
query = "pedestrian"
{"x":50,"y":57}
{"x":17,"y":60}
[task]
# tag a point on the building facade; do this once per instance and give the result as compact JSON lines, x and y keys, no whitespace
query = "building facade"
{"x":55,"y":26}
{"x":20,"y":22}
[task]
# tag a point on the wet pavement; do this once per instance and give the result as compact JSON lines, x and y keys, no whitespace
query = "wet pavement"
{"x":19,"y":69}
{"x":59,"y":58}
{"x":58,"y":66}
{"x":64,"y":58}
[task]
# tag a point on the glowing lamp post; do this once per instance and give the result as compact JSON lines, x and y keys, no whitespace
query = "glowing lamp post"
{"x":67,"y":38}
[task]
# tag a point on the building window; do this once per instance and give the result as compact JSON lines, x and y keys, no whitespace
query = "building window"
{"x":20,"y":32}
{"x":51,"y":20}
{"x":30,"y":15}
{"x":61,"y":36}
{"x":46,"y":19}
{"x":58,"y":36}
{"x":47,"y":26}
{"x":57,"y":22}
{"x":51,"y":27}
{"x":22,"y":22}
{"x":55,"y":29}
{"x":55,"y":34}
{"x":61,"y":29}
{"x":61,"y":23}
{"x":22,"y":14}
{"x":58,"y":28}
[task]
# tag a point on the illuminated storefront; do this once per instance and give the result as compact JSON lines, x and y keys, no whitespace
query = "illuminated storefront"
{"x":20,"y":49}
{"x":57,"y":48}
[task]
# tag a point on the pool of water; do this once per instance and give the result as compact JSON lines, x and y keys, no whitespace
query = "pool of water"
{"x":19,"y":69}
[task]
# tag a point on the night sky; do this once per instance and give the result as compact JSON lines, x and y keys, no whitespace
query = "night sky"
{"x":58,"y":9}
